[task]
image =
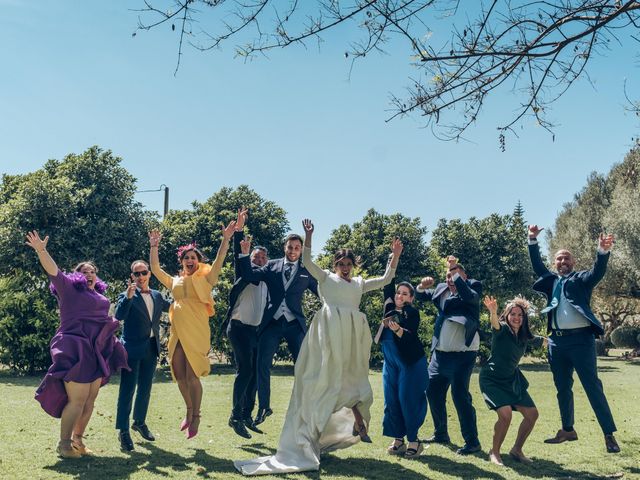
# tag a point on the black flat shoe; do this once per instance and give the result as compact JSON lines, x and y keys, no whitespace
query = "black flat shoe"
{"x":262,"y":415}
{"x":239,"y":427}
{"x":144,"y":431}
{"x":248,"y":422}
{"x":611,"y":444}
{"x":126,"y":444}
{"x":468,"y":450}
{"x":436,"y":439}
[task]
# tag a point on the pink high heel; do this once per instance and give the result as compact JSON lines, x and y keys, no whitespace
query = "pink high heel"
{"x":185,"y":423}
{"x":192,"y":430}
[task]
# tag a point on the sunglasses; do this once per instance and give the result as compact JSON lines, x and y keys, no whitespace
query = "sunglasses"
{"x":143,"y":273}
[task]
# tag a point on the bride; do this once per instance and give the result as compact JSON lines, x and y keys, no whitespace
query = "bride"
{"x":331,"y":398}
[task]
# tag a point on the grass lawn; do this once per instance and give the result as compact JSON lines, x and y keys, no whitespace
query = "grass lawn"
{"x":29,"y":436}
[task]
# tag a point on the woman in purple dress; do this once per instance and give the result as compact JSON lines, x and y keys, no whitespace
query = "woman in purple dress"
{"x":84,"y":349}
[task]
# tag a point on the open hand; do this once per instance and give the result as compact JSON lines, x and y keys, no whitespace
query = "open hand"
{"x":606,"y":241}
{"x":154,"y":237}
{"x":396,"y":247}
{"x":241,"y":219}
{"x":227,"y":232}
{"x":35,"y":242}
{"x":308,"y":227}
{"x":491,"y":304}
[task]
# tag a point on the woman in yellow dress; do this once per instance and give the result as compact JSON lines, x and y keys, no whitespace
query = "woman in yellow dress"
{"x":189,"y":335}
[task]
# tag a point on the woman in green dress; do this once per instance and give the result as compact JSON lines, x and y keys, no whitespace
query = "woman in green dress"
{"x":502,"y":384}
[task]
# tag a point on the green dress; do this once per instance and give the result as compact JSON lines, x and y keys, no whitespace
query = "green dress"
{"x":501,"y":381}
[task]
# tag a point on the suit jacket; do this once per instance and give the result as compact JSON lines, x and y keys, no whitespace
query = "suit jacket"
{"x":137,"y":324}
{"x":239,"y":284}
{"x":272,"y":275}
{"x":465,"y":303}
{"x":577,"y":288}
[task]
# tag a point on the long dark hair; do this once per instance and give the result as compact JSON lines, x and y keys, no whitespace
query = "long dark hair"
{"x":524,"y":333}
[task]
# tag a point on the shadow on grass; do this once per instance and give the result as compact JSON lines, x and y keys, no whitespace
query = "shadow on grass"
{"x":542,"y":468}
{"x":157,"y":462}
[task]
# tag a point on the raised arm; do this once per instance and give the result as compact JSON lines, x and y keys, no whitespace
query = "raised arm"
{"x":238,"y":236}
{"x":318,"y":273}
{"x":492,"y":306}
{"x":593,"y":276}
{"x":468,"y":294}
{"x":424,"y":292}
{"x":227,"y":233}
{"x":154,"y":260}
{"x":534,"y":251}
{"x":40,"y":246}
{"x":390,"y":272}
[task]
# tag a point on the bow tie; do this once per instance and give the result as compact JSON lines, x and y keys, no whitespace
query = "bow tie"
{"x":148,"y":292}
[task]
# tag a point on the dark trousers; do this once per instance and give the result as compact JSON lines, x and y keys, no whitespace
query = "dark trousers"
{"x":140,"y":376}
{"x":578,"y":352}
{"x":268,"y":343}
{"x":452,"y":369}
{"x":405,"y":399}
{"x":244,"y":342}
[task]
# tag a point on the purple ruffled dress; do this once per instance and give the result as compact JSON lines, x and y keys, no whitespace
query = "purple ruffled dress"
{"x":84,"y":347}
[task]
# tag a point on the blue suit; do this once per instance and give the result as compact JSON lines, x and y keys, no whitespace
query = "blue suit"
{"x":271,"y":330}
{"x":454,"y":368}
{"x":575,"y":349}
{"x":142,"y":350}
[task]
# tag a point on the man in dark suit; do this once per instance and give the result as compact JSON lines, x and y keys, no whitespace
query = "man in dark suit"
{"x":573,"y":328}
{"x":286,"y":280}
{"x":454,"y":350}
{"x":247,"y":302}
{"x":139,"y":308}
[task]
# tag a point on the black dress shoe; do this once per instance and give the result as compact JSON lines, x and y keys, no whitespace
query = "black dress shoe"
{"x":262,"y":415}
{"x":436,"y":439}
{"x":126,"y":444}
{"x":612,"y":445}
{"x":239,"y":428}
{"x":468,"y":450}
{"x":248,"y":422}
{"x":144,"y":431}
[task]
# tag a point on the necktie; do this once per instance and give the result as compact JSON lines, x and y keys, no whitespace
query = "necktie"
{"x":287,"y":271}
{"x":555,"y":300}
{"x":148,"y":292}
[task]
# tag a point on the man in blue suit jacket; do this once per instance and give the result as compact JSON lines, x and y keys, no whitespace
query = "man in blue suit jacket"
{"x":573,"y":328}
{"x":139,"y":308}
{"x":286,"y":280}
{"x":454,"y":350}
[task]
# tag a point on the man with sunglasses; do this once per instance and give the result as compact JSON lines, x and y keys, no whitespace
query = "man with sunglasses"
{"x":139,"y":308}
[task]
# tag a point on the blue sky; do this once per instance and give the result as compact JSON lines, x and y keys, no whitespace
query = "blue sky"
{"x":294,"y":127}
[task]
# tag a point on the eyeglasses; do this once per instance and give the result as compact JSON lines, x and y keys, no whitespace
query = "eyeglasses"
{"x":143,"y":273}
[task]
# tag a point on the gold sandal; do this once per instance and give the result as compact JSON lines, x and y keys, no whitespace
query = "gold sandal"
{"x":65,"y":449}
{"x":80,"y":446}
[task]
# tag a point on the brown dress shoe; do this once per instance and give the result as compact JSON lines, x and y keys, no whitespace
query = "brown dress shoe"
{"x":563,"y":436}
{"x":612,"y":445}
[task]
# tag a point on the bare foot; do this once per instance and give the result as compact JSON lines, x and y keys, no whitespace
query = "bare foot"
{"x":495,"y":458}
{"x":519,"y":456}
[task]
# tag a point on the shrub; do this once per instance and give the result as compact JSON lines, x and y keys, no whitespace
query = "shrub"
{"x":601,"y":348}
{"x":625,"y":336}
{"x":28,"y":320}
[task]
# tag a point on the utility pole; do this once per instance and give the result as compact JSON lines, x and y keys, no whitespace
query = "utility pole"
{"x":166,"y":197}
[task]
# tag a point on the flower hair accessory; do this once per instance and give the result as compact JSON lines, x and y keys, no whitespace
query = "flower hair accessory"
{"x":186,"y":248}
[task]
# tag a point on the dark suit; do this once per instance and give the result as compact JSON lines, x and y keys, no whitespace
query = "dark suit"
{"x":142,"y":350}
{"x":575,"y":349}
{"x":244,"y":342}
{"x":454,"y":368}
{"x":272,"y":330}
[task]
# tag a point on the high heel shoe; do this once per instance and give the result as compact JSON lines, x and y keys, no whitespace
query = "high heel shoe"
{"x":185,"y":423}
{"x":78,"y":443}
{"x":65,"y":449}
{"x":361,"y":430}
{"x":192,"y":430}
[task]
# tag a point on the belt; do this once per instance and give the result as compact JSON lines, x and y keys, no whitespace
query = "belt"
{"x":570,"y":331}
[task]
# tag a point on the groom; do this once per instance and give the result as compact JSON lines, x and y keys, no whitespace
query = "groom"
{"x":286,"y":280}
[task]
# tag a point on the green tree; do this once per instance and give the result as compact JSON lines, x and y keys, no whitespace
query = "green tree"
{"x":86,"y":204}
{"x":608,"y":202}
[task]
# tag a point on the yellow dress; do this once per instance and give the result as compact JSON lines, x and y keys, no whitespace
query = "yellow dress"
{"x":189,"y":315}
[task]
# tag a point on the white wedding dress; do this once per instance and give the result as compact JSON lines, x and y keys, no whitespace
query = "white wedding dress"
{"x":331,"y":377}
